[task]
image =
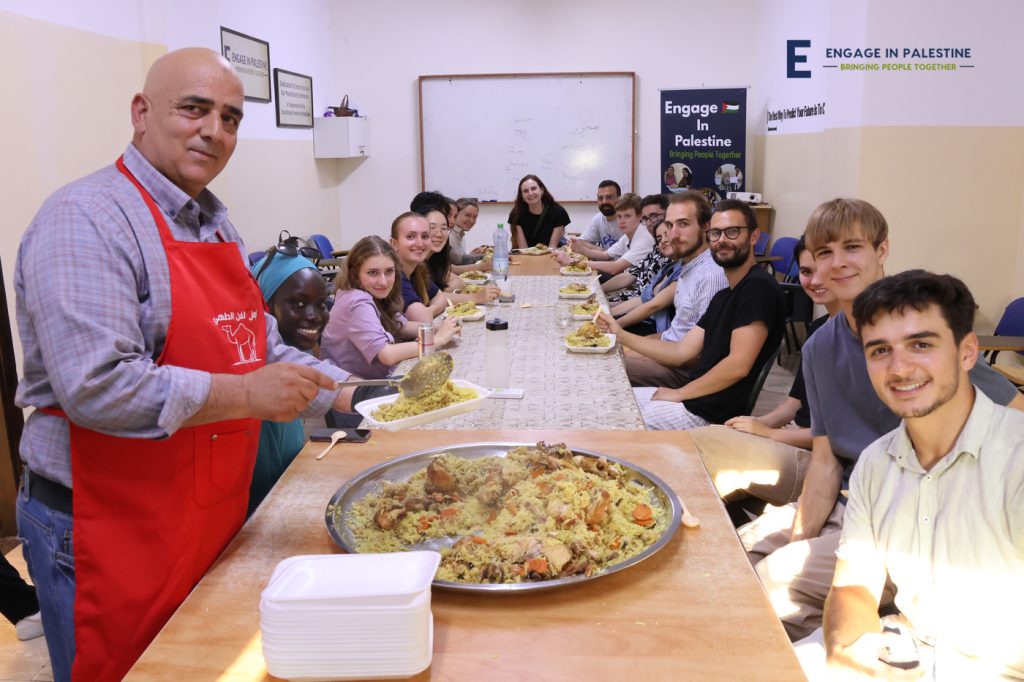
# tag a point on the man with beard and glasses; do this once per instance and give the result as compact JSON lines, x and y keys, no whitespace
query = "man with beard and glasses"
{"x":730,"y":343}
{"x":935,"y":503}
{"x":793,"y":547}
{"x":688,"y":215}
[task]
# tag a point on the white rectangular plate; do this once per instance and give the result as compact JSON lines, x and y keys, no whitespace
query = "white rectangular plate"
{"x":366,"y":407}
{"x":588,"y":318}
{"x":574,"y":296}
{"x":573,"y":273}
{"x":478,"y":315}
{"x":588,"y":349}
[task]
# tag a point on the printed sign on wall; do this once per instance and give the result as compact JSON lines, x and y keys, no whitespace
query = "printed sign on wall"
{"x":703,"y":140}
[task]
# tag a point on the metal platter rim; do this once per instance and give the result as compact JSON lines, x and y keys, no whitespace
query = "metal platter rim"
{"x":505,"y":588}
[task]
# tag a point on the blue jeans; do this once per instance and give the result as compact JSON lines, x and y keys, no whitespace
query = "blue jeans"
{"x":46,"y":541}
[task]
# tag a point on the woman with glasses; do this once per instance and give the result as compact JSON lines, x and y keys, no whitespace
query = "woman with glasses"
{"x":373,"y":335}
{"x":439,"y":265}
{"x":536,"y":217}
{"x":296,"y":296}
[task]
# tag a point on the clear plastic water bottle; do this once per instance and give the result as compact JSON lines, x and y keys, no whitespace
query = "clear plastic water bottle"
{"x":499,"y":262}
{"x":497,"y":356}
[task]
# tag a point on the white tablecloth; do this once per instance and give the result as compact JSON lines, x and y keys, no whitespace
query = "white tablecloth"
{"x":563,"y":390}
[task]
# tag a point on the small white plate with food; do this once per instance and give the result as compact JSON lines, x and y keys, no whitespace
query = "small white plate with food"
{"x":588,"y":339}
{"x":584,"y":312}
{"x":456,"y":397}
{"x":536,"y":250}
{"x":575,"y":291}
{"x":474,"y":277}
{"x":466,"y":311}
{"x":574,"y":270}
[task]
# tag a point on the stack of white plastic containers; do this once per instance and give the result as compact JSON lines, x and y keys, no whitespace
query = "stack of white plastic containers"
{"x":349,"y":616}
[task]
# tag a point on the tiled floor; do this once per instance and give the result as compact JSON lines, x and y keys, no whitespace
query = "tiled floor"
{"x":777,"y":385}
{"x":23,"y":661}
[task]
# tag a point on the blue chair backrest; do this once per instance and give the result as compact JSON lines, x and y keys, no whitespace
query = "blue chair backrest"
{"x":762,"y":244}
{"x":1012,"y":321}
{"x":322,"y":243}
{"x":783,"y":248}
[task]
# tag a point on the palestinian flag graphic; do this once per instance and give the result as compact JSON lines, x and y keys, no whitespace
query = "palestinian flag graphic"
{"x":729,"y":108}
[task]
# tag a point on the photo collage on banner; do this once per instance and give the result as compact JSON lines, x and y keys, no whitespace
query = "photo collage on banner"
{"x":703,"y":140}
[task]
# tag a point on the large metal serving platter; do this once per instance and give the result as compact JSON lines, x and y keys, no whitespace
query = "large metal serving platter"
{"x":402,"y":468}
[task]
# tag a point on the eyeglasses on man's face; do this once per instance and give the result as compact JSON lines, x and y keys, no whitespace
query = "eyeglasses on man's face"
{"x":714,"y":234}
{"x":652,"y":218}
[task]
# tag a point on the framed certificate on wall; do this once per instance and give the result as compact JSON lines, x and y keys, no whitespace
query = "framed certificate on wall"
{"x":293,"y":94}
{"x":250,"y":58}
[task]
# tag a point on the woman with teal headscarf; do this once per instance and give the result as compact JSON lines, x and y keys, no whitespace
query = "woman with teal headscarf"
{"x":296,"y":294}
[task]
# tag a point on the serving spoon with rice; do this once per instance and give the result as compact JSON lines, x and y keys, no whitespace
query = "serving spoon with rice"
{"x":426,"y":376}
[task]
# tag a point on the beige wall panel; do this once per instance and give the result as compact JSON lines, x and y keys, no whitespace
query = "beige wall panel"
{"x":67,"y":113}
{"x":800,"y":171}
{"x":952,"y":197}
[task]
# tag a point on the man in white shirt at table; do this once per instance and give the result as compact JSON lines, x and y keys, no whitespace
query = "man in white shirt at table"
{"x":629,"y":250}
{"x":934,"y":504}
{"x":603,"y":229}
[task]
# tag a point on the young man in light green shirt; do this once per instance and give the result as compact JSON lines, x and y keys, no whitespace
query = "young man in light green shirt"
{"x":935,"y":504}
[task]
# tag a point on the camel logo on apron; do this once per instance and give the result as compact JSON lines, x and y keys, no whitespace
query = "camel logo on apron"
{"x":239,"y":334}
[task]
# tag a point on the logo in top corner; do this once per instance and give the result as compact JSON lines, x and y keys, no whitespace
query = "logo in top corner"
{"x":792,"y":59}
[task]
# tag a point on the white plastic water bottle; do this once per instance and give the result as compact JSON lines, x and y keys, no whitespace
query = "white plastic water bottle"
{"x":499,"y":262}
{"x":497,"y":356}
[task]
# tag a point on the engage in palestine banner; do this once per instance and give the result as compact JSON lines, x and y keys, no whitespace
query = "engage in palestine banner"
{"x":703,"y":139}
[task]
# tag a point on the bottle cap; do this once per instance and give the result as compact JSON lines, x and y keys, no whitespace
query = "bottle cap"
{"x":497,"y":324}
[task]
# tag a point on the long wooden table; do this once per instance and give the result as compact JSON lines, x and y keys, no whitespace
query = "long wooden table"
{"x":694,"y":611}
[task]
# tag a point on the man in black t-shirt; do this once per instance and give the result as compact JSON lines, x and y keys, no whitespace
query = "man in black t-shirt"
{"x":730,"y":344}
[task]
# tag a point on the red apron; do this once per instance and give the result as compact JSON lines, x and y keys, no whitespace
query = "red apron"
{"x":150,"y":517}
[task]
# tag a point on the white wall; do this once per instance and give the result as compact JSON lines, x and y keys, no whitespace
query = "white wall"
{"x":381,"y":48}
{"x":299,"y":36}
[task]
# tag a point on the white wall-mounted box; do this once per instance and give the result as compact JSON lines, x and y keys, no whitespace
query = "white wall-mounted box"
{"x":341,"y":137}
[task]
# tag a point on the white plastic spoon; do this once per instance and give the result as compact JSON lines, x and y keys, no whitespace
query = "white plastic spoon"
{"x":335,"y":437}
{"x":689,"y":520}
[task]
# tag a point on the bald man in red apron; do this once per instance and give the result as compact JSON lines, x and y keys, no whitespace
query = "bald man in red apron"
{"x":152,"y":397}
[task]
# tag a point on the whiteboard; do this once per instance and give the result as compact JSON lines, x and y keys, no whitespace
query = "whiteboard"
{"x":479,"y":135}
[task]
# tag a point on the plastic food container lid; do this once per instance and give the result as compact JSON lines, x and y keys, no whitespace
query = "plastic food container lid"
{"x":497,"y":324}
